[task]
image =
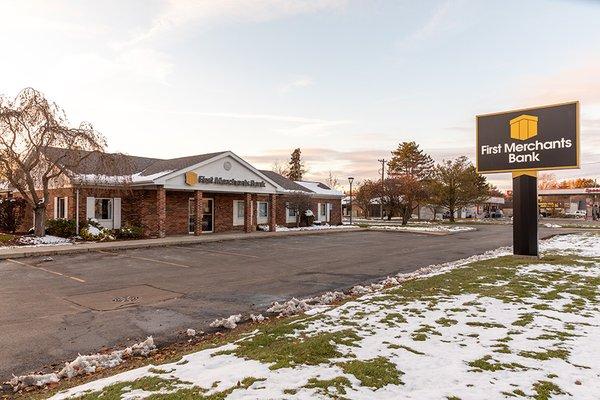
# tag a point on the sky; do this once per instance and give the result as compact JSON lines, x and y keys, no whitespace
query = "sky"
{"x":346,"y":81}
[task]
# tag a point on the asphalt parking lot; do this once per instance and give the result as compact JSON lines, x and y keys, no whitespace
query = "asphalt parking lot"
{"x":51,"y":310}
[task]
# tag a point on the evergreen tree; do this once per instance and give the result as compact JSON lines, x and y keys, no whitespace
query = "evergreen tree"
{"x":409,"y":173}
{"x":408,"y":159}
{"x":296,"y":169}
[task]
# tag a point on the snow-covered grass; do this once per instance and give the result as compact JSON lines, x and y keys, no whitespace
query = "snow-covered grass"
{"x":425,"y":228}
{"x":491,"y":326}
{"x":314,"y":228}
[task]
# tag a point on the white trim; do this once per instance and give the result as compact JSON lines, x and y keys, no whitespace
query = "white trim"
{"x":116,"y":213}
{"x":90,"y":207}
{"x":66,"y":215}
{"x":55,"y":216}
{"x":162,"y":180}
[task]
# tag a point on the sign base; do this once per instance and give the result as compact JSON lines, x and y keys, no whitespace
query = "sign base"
{"x":525,"y":214}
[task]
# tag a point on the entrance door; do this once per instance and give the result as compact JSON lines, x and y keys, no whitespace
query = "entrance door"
{"x":208,"y":215}
{"x":191,"y":216}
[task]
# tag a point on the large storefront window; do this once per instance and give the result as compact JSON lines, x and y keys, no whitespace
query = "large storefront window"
{"x":104,"y":209}
{"x":263,"y":209}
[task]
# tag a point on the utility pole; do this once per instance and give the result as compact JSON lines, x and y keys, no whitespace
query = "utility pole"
{"x":382,"y":161}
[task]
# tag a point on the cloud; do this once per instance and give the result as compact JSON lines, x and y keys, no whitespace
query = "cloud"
{"x":300,"y":82}
{"x":268,"y":117}
{"x":437,"y":22}
{"x":144,"y":65}
{"x":178,"y":14}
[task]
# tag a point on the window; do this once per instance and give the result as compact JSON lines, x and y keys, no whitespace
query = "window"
{"x":323,"y":211}
{"x":61,"y":207}
{"x":103,"y":209}
{"x":241,"y":209}
{"x":290,"y":212}
{"x":263,"y":209}
{"x":239,"y":212}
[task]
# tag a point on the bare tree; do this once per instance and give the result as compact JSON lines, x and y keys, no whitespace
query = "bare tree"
{"x":29,"y":125}
{"x":298,"y":202}
{"x":365,"y":193}
{"x":332,"y":181}
{"x":456,"y":184}
{"x":547,"y":180}
{"x":280,"y":168}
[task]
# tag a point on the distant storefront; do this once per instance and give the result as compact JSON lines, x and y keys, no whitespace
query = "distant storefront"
{"x":566,"y":202}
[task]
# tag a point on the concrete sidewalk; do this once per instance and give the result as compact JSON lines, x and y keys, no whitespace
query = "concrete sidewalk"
{"x":48,"y":250}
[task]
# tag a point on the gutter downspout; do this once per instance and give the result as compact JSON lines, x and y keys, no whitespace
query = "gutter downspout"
{"x":77,"y":210}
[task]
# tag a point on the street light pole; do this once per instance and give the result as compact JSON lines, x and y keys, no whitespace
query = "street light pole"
{"x":382,"y":161}
{"x":350,"y":179}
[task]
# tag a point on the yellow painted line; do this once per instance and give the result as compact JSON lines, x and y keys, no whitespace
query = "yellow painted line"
{"x":45,"y":270}
{"x":146,"y":259}
{"x":216,"y":251}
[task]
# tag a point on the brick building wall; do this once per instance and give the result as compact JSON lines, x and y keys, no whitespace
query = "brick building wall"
{"x":139,"y":208}
{"x":336,"y":210}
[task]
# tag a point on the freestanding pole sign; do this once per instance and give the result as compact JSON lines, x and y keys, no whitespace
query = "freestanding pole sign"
{"x":524,"y":142}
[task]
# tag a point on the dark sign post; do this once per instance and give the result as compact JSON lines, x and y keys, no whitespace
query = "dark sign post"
{"x":524,"y":142}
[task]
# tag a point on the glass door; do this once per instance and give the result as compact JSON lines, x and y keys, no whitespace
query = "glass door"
{"x":191,"y":215}
{"x":207,"y":215}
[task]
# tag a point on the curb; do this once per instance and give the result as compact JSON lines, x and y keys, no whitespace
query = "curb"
{"x":149,"y":243}
{"x":431,"y":233}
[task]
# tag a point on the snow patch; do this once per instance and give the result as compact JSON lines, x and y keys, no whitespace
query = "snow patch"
{"x":314,"y":228}
{"x":48,"y":240}
{"x":228,"y":323}
{"x":84,"y":365}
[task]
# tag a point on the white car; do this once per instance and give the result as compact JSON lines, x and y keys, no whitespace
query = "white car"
{"x":577,"y":214}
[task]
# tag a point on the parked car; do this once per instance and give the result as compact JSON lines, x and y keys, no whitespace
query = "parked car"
{"x":469,"y":214}
{"x":576,"y":214}
{"x":494,"y":214}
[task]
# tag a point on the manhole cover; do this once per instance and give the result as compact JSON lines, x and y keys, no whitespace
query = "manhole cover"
{"x":125,"y":297}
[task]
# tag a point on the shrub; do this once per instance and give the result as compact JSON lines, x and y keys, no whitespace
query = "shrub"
{"x":93,"y":231}
{"x":12,"y":212}
{"x":64,"y":228}
{"x":129,"y":232}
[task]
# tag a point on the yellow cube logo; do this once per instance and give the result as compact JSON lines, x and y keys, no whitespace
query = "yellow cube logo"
{"x":523,"y":127}
{"x":191,"y":178}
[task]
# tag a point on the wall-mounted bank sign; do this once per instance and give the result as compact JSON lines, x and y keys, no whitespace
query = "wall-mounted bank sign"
{"x":538,"y":138}
{"x":192,"y":178}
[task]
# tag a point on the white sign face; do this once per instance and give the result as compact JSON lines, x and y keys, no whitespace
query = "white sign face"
{"x":223,"y":175}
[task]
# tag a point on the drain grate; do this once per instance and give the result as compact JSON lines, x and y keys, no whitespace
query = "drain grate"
{"x":131,"y":296}
{"x":125,"y":299}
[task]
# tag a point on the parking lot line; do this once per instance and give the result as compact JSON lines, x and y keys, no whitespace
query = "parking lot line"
{"x":217,"y":252}
{"x":146,"y":259}
{"x":44,"y":269}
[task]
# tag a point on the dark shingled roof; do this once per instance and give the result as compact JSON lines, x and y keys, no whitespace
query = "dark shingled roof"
{"x":175,"y":164}
{"x":284,"y":182}
{"x":116,"y":164}
{"x":97,"y":163}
